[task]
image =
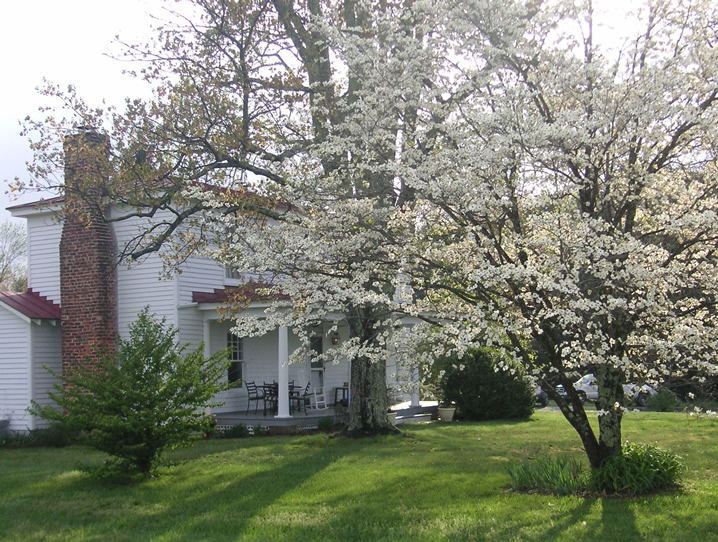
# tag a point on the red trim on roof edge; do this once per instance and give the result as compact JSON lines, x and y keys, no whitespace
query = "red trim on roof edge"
{"x":247,"y":291}
{"x":31,"y":304}
{"x":37,"y":203}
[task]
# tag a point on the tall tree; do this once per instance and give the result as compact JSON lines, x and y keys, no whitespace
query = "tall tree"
{"x":570,"y":215}
{"x":332,"y":251}
{"x":300,"y":108}
{"x":13,"y":247}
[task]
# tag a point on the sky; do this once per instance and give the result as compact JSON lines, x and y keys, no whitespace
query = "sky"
{"x":67,"y":42}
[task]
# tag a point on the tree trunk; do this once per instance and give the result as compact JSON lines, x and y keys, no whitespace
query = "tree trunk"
{"x":608,"y":442}
{"x":610,"y":403}
{"x":368,"y":393}
{"x":573,"y":411}
{"x":368,"y":403}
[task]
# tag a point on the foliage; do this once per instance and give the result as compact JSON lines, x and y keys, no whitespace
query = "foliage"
{"x":571,"y":201}
{"x":149,"y":396}
{"x":639,"y":468}
{"x":236,"y":431}
{"x":56,"y":435}
{"x":552,"y":475}
{"x":13,"y":247}
{"x":483,"y":386}
{"x":663,"y":401}
{"x":484,"y":167}
{"x":326,"y":424}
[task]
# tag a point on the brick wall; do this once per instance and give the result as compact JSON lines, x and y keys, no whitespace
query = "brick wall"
{"x":87,"y":254}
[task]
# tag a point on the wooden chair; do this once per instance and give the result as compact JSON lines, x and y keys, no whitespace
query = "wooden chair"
{"x":271,"y":392}
{"x":318,"y":399}
{"x":302,"y":399}
{"x":253,"y":394}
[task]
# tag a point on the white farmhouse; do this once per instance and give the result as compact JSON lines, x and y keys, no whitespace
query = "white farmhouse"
{"x":79,"y":300}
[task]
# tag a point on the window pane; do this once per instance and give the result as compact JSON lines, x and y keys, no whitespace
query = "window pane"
{"x":317,"y":346}
{"x":234,"y":373}
{"x":236,"y":356}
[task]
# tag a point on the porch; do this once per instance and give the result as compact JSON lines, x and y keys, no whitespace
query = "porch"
{"x":301,"y":421}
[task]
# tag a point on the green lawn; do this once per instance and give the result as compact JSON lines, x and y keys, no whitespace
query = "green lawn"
{"x":436,"y":482}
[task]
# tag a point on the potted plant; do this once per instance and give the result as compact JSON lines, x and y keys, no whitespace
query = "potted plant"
{"x":431,"y":387}
{"x":446,"y":411}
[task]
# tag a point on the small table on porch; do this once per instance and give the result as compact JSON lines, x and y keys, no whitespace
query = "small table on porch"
{"x":271,"y":396}
{"x":344,"y":390}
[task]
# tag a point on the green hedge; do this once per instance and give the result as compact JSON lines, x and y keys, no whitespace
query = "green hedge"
{"x":482,"y":390}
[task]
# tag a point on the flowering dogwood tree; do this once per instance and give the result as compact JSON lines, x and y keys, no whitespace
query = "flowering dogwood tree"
{"x":331,"y":249}
{"x":299,"y":109}
{"x":507,"y":173}
{"x":569,"y":214}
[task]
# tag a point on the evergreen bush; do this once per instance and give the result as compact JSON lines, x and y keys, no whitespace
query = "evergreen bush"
{"x":485,"y":386}
{"x":148,"y":396}
{"x":325,"y":425}
{"x":663,"y":401}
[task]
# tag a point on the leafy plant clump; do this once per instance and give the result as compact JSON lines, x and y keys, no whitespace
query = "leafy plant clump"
{"x":56,"y":435}
{"x":236,"y":431}
{"x":551,"y":475}
{"x":149,"y":396}
{"x":483,"y":386}
{"x":663,"y":401}
{"x":639,"y":468}
{"x":326,"y":425}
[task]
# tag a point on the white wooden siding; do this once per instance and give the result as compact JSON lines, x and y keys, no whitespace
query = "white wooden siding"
{"x":46,"y":341}
{"x":191,"y":328}
{"x":199,"y":275}
{"x":43,"y":272}
{"x":14,"y":370}
{"x":141,"y":284}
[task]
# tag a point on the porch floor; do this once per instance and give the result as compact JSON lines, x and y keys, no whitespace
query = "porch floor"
{"x":299,"y":421}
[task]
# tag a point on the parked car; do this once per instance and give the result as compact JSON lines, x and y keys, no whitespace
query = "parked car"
{"x":641,"y":394}
{"x":587,"y":387}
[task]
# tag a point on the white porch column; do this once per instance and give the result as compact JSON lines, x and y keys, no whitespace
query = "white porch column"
{"x":283,"y":373}
{"x":415,"y":386}
{"x":205,"y":337}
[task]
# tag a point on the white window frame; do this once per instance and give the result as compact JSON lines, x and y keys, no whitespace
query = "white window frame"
{"x":236,"y":357}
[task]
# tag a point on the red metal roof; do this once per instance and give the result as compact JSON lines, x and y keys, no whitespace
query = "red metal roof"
{"x":38,"y":203}
{"x":217,"y":189}
{"x":248,"y":292}
{"x":31,"y":304}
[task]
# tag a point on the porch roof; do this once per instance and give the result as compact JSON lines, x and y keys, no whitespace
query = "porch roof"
{"x":251,"y":292}
{"x":31,"y":304}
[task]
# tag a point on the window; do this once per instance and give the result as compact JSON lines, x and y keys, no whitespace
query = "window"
{"x":231,"y":274}
{"x":236,"y":357}
{"x":317,"y":346}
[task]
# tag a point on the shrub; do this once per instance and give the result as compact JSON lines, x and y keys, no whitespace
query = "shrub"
{"x":663,"y":401}
{"x":557,"y":476}
{"x":235,"y":431}
{"x":148,"y":396}
{"x":639,"y":468}
{"x":483,"y":389}
{"x":56,"y":435}
{"x":326,"y":424}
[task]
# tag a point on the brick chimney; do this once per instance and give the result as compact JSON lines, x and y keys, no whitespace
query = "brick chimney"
{"x":87,"y":254}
